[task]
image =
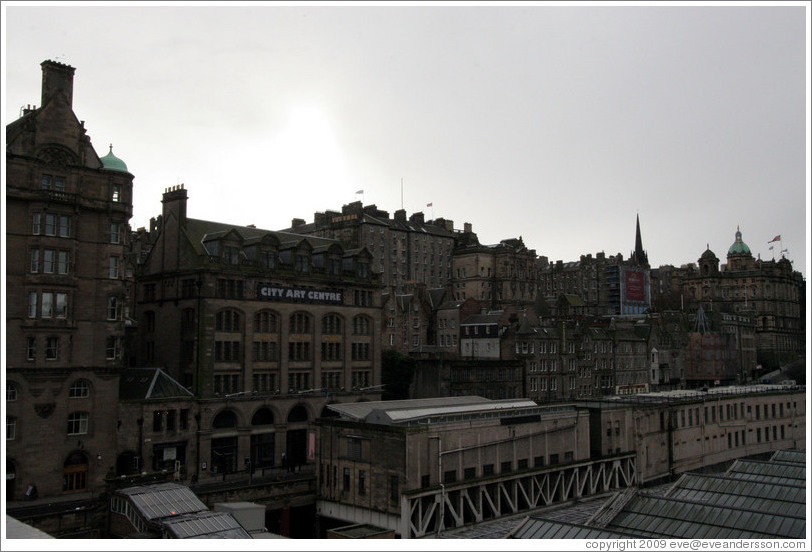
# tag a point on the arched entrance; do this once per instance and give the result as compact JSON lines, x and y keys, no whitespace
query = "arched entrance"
{"x":75,"y":473}
{"x":263,"y":439}
{"x":297,"y":436}
{"x":224,"y":449}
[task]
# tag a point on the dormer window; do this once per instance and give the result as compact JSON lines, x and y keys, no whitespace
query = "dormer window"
{"x":363,"y":269}
{"x":231,"y":255}
{"x":302,"y":263}
{"x":267,"y":259}
{"x":334,"y":267}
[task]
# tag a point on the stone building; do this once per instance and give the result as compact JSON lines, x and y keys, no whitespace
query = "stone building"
{"x":264,"y":328}
{"x":770,"y":292}
{"x":674,"y":432}
{"x":403,"y":249}
{"x":68,"y":279}
{"x":500,"y":276}
{"x":420,"y":466}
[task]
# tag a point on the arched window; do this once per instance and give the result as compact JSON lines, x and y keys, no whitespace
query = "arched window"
{"x":224,"y":420}
{"x":300,"y":323}
{"x":361,"y":325}
{"x":79,"y":389}
{"x":265,"y":321}
{"x":298,"y":414}
{"x":331,"y":324}
{"x":227,"y":320}
{"x":263,"y":416}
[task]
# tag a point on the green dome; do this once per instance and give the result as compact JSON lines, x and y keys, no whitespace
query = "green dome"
{"x":738,"y":247}
{"x":112,"y":162}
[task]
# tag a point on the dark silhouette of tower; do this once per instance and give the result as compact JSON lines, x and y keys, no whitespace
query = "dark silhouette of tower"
{"x":639,"y":257}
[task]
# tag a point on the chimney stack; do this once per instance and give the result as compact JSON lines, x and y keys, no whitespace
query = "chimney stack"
{"x":57,"y":78}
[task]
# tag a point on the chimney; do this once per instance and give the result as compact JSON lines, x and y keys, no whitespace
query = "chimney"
{"x":320,"y":219}
{"x":467,"y":227}
{"x":400,"y":215}
{"x":297,"y":222}
{"x":175,"y":202}
{"x":57,"y":78}
{"x":417,"y":218}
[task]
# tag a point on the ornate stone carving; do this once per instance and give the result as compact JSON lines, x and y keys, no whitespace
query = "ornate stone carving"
{"x":44,"y":410}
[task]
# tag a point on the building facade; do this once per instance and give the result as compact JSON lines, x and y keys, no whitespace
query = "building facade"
{"x":770,"y":292}
{"x":68,"y":280}
{"x":263,"y":327}
{"x":404,"y":249}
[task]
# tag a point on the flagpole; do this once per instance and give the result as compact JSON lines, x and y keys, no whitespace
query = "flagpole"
{"x":401,"y":192}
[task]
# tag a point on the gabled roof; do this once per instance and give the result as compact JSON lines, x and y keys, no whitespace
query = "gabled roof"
{"x":150,"y":383}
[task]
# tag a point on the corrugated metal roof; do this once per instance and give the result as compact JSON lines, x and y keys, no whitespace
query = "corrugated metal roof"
{"x":163,"y":500}
{"x":790,"y":457}
{"x":741,"y":494}
{"x":359,"y":411}
{"x":206,"y":525}
{"x":768,"y":472}
{"x":671,"y":518}
{"x":538,"y":528}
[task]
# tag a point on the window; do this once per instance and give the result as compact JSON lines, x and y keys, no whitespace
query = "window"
{"x":299,"y":351}
{"x":346,"y":480}
{"x":11,"y":392}
{"x":52,"y":348}
{"x":487,"y":469}
{"x":302,"y":263}
{"x":449,"y":476}
{"x":113,"y":267}
{"x":227,"y":351}
{"x":227,"y":321}
{"x":506,"y":467}
{"x":31,"y":348}
{"x":113,"y":308}
{"x":265,"y":322}
{"x":300,"y":323}
{"x":79,"y":390}
{"x":469,"y":473}
{"x":361,"y":325}
{"x":116,"y":193}
{"x":331,"y":324}
{"x":34,"y":261}
{"x":362,"y":482}
{"x":115,"y":232}
{"x":394,"y":487}
{"x":231,"y":255}
{"x":11,"y":428}
{"x":77,"y":423}
{"x":113,"y":348}
{"x":64,"y":226}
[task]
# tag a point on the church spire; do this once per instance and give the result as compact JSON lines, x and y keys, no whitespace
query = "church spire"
{"x":639,"y":256}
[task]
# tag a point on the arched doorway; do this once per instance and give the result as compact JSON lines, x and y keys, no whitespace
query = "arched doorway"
{"x":11,"y":479}
{"x":263,"y":439}
{"x":75,"y":473}
{"x":296,"y":439}
{"x":224,"y":449}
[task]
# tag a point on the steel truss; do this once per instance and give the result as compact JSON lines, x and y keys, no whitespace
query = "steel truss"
{"x":451,"y":506}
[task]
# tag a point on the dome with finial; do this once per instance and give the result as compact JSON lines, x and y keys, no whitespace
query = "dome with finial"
{"x":112,"y":162}
{"x":738,"y":247}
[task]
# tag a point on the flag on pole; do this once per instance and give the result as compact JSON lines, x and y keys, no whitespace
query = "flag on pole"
{"x":429,"y":204}
{"x":775,"y":239}
{"x":360,"y":192}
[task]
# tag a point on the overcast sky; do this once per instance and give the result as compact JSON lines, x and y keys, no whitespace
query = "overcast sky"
{"x":559,"y":124}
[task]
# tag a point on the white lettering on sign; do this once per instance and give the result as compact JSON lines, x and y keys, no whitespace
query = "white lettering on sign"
{"x":299,"y":294}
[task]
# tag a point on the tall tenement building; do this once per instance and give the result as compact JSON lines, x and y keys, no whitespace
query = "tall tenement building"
{"x":68,"y":280}
{"x":264,"y":327}
{"x":404,"y":250}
